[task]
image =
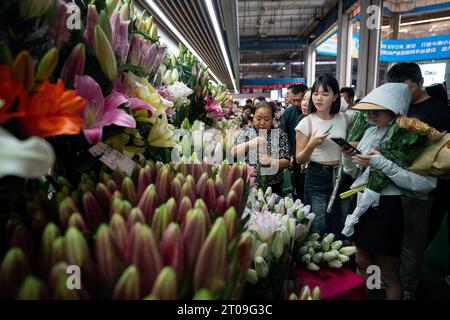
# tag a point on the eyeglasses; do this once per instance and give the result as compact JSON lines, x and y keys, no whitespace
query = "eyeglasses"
{"x":297,"y":100}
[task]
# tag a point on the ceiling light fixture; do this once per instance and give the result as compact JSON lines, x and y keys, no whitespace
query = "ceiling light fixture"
{"x":212,"y":14}
{"x":180,"y":37}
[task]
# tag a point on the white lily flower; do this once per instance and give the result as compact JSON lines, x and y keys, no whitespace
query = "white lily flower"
{"x":29,"y":158}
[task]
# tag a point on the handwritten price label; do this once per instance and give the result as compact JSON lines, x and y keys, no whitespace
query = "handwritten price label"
{"x":112,"y":158}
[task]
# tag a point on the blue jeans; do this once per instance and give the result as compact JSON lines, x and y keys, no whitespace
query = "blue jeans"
{"x":319,"y":183}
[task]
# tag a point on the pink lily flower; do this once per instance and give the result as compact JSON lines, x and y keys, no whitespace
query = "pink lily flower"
{"x":213,"y":108}
{"x":120,"y":42}
{"x":125,"y":89}
{"x":100,"y":111}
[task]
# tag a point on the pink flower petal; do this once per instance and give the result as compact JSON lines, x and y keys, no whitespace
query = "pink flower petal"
{"x":115,"y":100}
{"x":89,"y":89}
{"x":138,"y":104}
{"x":118,"y":117}
{"x":93,"y":135}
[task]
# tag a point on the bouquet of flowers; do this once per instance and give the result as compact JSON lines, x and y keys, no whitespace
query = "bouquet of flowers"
{"x":276,"y":229}
{"x":404,"y":142}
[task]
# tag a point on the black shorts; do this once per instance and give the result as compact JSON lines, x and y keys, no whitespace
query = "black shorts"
{"x":380,"y":229}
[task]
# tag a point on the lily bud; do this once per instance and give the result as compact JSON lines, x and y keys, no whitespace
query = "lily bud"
{"x":60,"y":291}
{"x":330,"y":255}
{"x":126,"y":209}
{"x":262,"y":269}
{"x":305,"y":293}
{"x":77,"y":221}
{"x":135,"y":216}
{"x":200,"y":204}
{"x":47,"y":64}
{"x":32,"y":289}
{"x":77,"y":250}
{"x":231,"y":222}
{"x":58,"y":250}
{"x":278,"y":245}
{"x":51,"y":233}
{"x":244,"y":250}
{"x":238,"y":187}
{"x":105,"y":54}
{"x":145,"y":255}
{"x":163,"y":182}
{"x":316,"y":293}
{"x":335,"y":264}
{"x":175,"y":190}
{"x":312,"y":266}
{"x":144,"y":180}
{"x":348,"y":251}
{"x":291,"y":228}
{"x":119,"y":235}
{"x":336,"y":245}
{"x":219,"y":185}
{"x":165,"y":287}
{"x":128,"y":285}
{"x":220,"y":206}
{"x":23,"y":69}
{"x":210,"y":269}
{"x":105,"y":25}
{"x":129,"y":191}
{"x":105,"y":256}
{"x":92,"y":211}
{"x":160,"y":221}
{"x":329,"y":238}
{"x":252,"y":276}
{"x":193,"y":236}
{"x":203,"y":294}
{"x":111,"y":5}
{"x":171,"y":247}
{"x":232,"y":200}
{"x":262,"y":251}
{"x":92,"y":20}
{"x":185,"y":206}
{"x":104,"y":197}
{"x":172,"y":209}
{"x":13,"y":270}
{"x":317,"y":258}
{"x":175,"y":76}
{"x":201,"y":184}
{"x":189,"y":191}
{"x":148,"y":203}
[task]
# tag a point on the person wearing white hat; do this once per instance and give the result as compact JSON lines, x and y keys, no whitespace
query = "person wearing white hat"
{"x":377,"y":223}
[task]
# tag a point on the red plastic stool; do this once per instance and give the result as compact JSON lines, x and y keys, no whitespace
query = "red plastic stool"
{"x":335,"y":284}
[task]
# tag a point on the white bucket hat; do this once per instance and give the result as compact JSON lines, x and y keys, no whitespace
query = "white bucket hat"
{"x":389,"y":96}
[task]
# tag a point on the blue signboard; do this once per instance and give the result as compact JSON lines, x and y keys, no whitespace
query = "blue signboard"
{"x":428,"y":48}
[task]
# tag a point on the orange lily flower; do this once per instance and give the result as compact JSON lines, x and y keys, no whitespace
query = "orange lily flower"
{"x":10,"y":89}
{"x":52,"y":111}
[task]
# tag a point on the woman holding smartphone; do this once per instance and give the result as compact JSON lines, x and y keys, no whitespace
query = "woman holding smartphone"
{"x":263,"y":146}
{"x":378,"y":232}
{"x":315,"y":147}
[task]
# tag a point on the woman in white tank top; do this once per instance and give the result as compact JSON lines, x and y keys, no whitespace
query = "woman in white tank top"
{"x":315,"y":147}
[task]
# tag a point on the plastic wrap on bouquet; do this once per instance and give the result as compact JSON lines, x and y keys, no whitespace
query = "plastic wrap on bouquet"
{"x":365,"y":200}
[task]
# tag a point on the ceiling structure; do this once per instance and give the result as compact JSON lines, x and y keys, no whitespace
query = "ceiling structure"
{"x":195,"y":24}
{"x":274,"y":33}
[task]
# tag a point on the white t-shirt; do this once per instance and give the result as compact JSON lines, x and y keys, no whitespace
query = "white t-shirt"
{"x":328,"y":151}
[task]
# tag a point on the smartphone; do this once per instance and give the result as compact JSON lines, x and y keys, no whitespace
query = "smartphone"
{"x":343,"y":142}
{"x":328,"y":130}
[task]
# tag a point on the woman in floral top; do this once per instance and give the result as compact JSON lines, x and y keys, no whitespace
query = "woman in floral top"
{"x":263,"y":147}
